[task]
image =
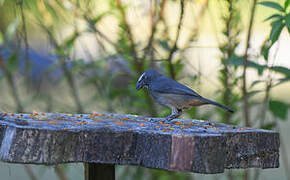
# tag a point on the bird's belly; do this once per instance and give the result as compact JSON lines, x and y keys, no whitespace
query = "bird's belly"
{"x":177,"y":101}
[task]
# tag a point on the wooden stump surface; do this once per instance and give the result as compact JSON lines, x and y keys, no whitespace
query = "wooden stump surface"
{"x":182,"y":145}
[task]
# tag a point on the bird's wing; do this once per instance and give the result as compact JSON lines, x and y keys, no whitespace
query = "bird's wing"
{"x":169,"y":86}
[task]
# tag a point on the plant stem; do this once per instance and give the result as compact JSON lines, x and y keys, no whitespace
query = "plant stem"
{"x":265,"y":103}
{"x":174,"y":47}
{"x":60,"y":173}
{"x":229,"y":53}
{"x":138,"y":64}
{"x":30,"y":172}
{"x":244,"y":77}
{"x":154,"y":21}
{"x":163,"y":19}
{"x":24,"y":29}
{"x":245,"y":63}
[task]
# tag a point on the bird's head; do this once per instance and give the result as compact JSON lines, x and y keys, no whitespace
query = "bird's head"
{"x":146,"y":78}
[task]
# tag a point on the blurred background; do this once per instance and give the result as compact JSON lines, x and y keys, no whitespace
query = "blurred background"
{"x":80,"y":56}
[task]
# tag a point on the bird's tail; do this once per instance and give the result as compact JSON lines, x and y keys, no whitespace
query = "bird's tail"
{"x":219,"y":105}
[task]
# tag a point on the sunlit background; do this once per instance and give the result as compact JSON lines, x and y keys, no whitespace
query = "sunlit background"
{"x":82,"y":56}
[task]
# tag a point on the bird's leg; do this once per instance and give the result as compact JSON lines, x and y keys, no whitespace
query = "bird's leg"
{"x":174,"y":114}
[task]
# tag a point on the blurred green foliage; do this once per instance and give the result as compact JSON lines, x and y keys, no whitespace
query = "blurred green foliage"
{"x":103,"y":76}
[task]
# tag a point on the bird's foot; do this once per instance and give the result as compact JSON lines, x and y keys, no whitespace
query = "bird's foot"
{"x":164,"y":120}
{"x":153,"y":120}
{"x":158,"y":120}
{"x":168,"y":119}
{"x":175,"y":113}
{"x":171,"y":117}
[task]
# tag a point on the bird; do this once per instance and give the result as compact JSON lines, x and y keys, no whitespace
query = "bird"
{"x":172,"y":94}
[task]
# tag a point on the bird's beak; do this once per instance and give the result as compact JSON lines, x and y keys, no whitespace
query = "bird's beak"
{"x":139,"y":85}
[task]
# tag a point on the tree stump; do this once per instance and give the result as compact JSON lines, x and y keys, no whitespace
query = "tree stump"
{"x":103,"y":140}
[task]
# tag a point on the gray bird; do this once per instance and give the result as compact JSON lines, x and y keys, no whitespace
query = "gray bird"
{"x":172,"y":94}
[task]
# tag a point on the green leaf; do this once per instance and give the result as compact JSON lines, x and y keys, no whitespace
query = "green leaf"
{"x":256,"y":82}
{"x":1,"y":38}
{"x":282,"y":70}
{"x":265,"y":49}
{"x":287,"y":21}
{"x":274,"y":16}
{"x":252,"y":93}
{"x":238,"y":61}
{"x":69,"y":41}
{"x":164,"y":44}
{"x":277,"y":27}
{"x":286,"y":4}
{"x":280,"y":81}
{"x":272,"y":5}
{"x":278,"y":108}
